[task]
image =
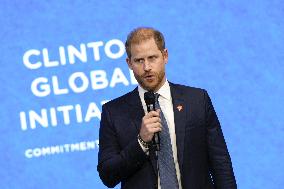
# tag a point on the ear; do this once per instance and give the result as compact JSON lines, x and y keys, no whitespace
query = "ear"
{"x":165,"y":55}
{"x":129,"y":63}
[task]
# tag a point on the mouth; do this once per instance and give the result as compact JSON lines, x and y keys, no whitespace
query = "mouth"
{"x":149,"y":77}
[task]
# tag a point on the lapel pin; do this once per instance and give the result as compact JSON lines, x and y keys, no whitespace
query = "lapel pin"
{"x":179,"y":107}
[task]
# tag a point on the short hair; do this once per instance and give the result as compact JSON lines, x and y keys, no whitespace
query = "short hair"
{"x":140,"y":34}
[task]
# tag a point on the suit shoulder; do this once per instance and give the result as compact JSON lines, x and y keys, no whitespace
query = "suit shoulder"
{"x":189,"y":89}
{"x":119,"y":100}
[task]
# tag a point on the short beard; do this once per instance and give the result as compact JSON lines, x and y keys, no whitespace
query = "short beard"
{"x":160,"y":76}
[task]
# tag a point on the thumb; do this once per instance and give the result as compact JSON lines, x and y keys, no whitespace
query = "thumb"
{"x":158,"y":110}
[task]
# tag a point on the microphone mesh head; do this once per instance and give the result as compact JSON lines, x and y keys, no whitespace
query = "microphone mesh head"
{"x":149,"y":97}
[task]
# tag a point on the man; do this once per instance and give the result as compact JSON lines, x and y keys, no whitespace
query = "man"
{"x":193,"y":152}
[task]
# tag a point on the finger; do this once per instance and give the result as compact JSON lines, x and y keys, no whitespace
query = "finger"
{"x":152,"y":120}
{"x":153,"y":125}
{"x":157,"y":125}
{"x":152,"y":114}
{"x":155,"y":129}
{"x":158,"y":111}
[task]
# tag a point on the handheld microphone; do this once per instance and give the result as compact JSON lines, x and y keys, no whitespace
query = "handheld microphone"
{"x":149,"y":98}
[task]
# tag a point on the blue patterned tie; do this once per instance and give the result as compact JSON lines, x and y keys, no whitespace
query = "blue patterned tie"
{"x":167,"y":171}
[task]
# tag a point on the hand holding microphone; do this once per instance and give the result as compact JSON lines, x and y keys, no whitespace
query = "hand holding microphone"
{"x":151,"y":124}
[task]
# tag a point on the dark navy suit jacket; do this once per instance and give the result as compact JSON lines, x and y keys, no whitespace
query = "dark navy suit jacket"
{"x":202,"y":153}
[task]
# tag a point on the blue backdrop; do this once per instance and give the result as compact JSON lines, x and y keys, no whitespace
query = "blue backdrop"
{"x":61,"y":60}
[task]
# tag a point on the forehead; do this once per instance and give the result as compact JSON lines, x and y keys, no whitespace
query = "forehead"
{"x":144,"y":48}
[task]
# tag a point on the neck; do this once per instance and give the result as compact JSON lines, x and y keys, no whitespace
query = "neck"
{"x":158,"y":87}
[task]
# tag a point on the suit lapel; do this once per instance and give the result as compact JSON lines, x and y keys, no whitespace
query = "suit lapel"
{"x":136,"y":113}
{"x":180,"y":110}
{"x":135,"y":108}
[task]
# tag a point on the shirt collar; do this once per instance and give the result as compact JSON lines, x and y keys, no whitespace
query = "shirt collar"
{"x":164,"y":91}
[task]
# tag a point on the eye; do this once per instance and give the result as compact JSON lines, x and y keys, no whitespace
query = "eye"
{"x":152,"y":58}
{"x":139,"y":60}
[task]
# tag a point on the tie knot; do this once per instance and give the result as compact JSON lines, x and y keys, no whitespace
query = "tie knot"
{"x":156,"y":100}
{"x":157,"y":96}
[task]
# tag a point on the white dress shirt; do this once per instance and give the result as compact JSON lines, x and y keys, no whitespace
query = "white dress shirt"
{"x":165,"y":101}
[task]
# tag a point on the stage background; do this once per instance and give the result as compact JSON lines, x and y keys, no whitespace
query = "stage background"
{"x":60,"y":60}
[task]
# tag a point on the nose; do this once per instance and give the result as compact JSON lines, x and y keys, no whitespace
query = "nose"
{"x":147,"y":66}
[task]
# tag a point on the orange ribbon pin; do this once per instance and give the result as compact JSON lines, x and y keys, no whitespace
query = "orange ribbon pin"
{"x":179,"y":107}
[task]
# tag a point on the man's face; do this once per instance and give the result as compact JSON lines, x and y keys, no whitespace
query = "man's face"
{"x":148,"y":64}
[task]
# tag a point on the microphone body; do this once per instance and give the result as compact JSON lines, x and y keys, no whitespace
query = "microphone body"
{"x":149,"y":98}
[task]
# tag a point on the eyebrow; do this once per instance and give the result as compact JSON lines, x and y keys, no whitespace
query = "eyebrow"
{"x":155,"y":54}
